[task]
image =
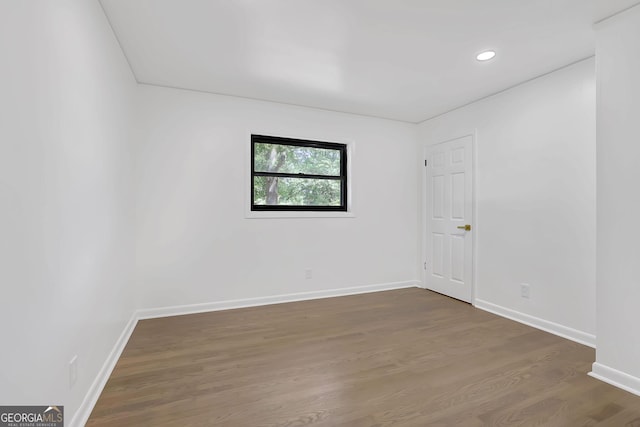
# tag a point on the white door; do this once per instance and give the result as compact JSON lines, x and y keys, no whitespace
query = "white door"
{"x":448,"y":239}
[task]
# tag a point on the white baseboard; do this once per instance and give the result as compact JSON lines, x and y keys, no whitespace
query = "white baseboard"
{"x":545,"y":325}
{"x":84,"y":411}
{"x":616,"y":378}
{"x":151,"y":313}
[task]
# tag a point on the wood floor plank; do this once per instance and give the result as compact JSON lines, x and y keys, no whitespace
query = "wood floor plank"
{"x":399,"y":358}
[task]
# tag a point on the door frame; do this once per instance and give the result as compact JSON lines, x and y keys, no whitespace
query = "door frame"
{"x":474,"y":209}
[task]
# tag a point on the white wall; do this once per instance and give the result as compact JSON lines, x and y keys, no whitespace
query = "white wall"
{"x":195,"y":244}
{"x":65,"y":200}
{"x":535,"y":196}
{"x":618,"y":268}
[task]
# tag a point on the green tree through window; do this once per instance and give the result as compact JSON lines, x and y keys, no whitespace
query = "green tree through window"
{"x":292,"y":174}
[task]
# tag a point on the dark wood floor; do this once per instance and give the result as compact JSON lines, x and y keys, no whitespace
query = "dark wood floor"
{"x":399,"y":358}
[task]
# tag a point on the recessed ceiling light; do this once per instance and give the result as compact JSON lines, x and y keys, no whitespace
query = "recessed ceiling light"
{"x":486,"y":55}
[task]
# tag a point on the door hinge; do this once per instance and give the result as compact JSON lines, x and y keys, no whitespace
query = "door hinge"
{"x":425,"y":163}
{"x":425,"y":265}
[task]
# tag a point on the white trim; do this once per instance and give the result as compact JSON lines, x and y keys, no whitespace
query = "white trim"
{"x":268,"y":101}
{"x":178,"y":310}
{"x":475,"y":220}
{"x":296,"y":214}
{"x":536,"y":322}
{"x":599,"y":23}
{"x":616,"y":378}
{"x":81,"y":416}
{"x":351,"y":149}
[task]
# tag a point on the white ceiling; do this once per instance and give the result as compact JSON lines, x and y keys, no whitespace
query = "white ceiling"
{"x":400,"y":59}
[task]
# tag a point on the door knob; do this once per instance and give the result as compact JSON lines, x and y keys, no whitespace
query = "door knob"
{"x":466,"y":227}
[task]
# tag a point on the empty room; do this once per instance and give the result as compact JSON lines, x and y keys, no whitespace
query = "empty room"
{"x":319,"y":212}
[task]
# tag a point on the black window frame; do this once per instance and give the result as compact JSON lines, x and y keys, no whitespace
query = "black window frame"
{"x":266,"y":139}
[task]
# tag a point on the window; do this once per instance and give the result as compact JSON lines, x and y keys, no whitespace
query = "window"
{"x":297,"y":175}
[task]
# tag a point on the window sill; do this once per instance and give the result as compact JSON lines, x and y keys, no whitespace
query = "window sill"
{"x":298,"y":214}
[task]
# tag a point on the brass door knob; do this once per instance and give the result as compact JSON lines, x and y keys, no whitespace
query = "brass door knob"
{"x":465,"y":227}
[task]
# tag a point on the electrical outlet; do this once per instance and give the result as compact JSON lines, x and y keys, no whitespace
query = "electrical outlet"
{"x":308,"y":274}
{"x":73,"y":371}
{"x":525,"y":290}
